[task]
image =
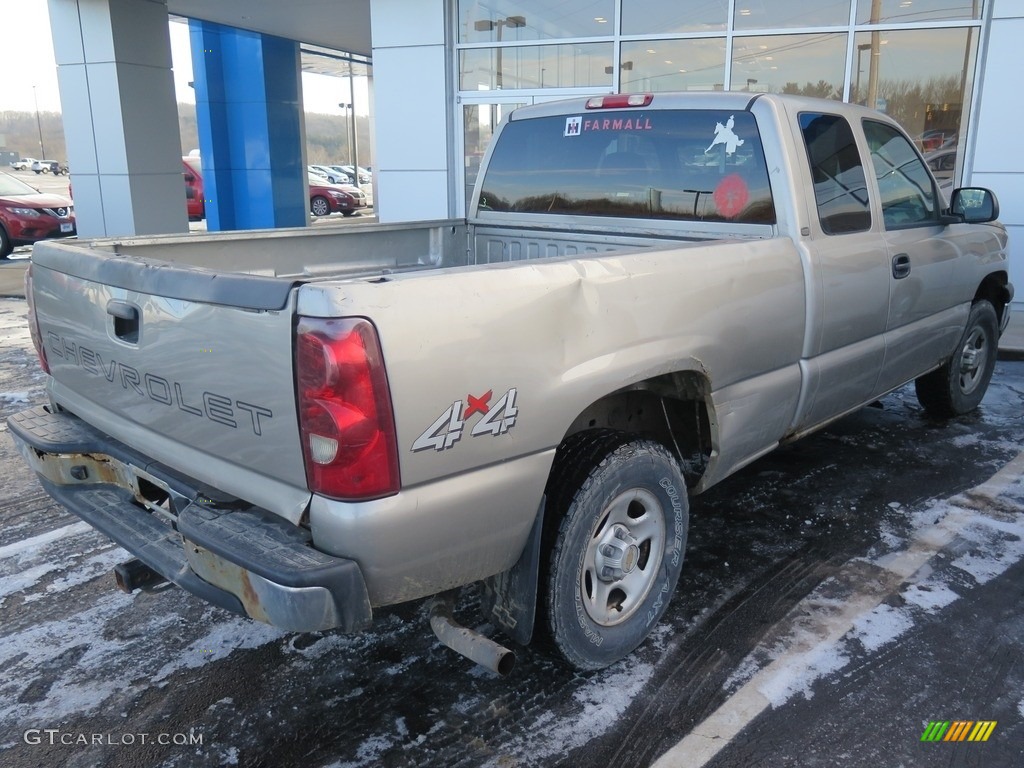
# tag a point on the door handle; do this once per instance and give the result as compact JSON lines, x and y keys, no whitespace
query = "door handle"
{"x":126,"y":320}
{"x":900,"y":266}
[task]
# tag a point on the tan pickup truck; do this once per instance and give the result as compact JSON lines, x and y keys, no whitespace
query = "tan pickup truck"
{"x":651,"y":292}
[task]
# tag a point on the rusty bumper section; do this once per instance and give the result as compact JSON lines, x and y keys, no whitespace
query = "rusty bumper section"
{"x":246,"y":560}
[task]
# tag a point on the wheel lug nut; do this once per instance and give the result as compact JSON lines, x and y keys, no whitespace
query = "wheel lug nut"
{"x":609,"y":551}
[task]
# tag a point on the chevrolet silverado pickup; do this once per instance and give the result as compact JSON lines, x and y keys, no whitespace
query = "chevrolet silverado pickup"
{"x":650,"y":292}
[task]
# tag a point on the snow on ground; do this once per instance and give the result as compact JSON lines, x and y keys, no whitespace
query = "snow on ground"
{"x":822,"y":635}
{"x":881,"y":626}
{"x":992,"y":545}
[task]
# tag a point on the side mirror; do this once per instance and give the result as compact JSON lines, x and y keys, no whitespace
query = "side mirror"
{"x":974,"y":205}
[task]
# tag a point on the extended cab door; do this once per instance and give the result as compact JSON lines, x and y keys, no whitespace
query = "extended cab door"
{"x":926,"y":316}
{"x":848,"y":289}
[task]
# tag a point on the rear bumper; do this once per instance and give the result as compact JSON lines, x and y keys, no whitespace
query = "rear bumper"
{"x":238,"y":557}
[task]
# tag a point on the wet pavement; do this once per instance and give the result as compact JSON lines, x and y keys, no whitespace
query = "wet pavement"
{"x":837,"y":596}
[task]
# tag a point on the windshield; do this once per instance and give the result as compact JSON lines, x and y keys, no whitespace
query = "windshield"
{"x":696,"y":165}
{"x":12,"y":186}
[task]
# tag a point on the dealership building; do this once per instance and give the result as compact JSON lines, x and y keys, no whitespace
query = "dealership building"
{"x":443,"y":73}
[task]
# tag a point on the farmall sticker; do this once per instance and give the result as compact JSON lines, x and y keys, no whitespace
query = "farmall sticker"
{"x":640,"y":123}
{"x":572,"y":126}
{"x":447,"y":429}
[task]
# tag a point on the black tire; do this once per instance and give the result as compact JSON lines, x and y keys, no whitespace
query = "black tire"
{"x":349,"y":213}
{"x":615,"y":533}
{"x":959,"y":385}
{"x":319,"y":206}
{"x":6,"y":246}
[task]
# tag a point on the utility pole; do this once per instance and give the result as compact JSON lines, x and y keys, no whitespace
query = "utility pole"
{"x":39,"y":125}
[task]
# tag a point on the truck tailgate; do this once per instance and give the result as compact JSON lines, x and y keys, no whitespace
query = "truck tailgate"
{"x":193,"y":368}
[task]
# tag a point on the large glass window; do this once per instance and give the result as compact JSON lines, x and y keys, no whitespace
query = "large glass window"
{"x":899,"y":73}
{"x":811,"y":65}
{"x":673,"y":65}
{"x":890,"y":11}
{"x":767,"y":14}
{"x":536,"y":66}
{"x":907,"y":191}
{"x":492,"y":21}
{"x":480,"y":121}
{"x":659,"y":17}
{"x":840,"y":188}
{"x":697,"y":165}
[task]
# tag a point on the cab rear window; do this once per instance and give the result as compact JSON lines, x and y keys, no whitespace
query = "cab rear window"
{"x":692,"y":165}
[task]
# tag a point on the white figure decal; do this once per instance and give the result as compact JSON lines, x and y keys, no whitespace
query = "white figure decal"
{"x":724,"y":135}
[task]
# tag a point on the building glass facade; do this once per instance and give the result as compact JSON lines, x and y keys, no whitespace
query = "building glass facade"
{"x":913,"y":59}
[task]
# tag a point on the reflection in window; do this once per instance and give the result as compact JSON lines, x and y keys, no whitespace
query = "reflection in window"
{"x":492,"y":21}
{"x":643,"y":17}
{"x":889,"y":11}
{"x":810,"y":65}
{"x":536,"y":66}
{"x":840,"y":188}
{"x":766,"y":14}
{"x":696,"y":165}
{"x":897,"y":72}
{"x":907,"y":191}
{"x":479,"y":122}
{"x":673,"y":65}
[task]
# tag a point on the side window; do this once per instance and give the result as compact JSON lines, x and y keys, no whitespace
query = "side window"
{"x":904,"y":184}
{"x":840,"y":187}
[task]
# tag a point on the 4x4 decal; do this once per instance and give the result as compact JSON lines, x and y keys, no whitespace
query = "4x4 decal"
{"x":447,"y":429}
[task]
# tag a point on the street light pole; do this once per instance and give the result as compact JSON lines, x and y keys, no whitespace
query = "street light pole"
{"x":487,"y":25}
{"x":350,"y":131}
{"x":39,"y":125}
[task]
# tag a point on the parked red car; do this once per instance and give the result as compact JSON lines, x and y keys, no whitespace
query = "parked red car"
{"x":28,"y":215}
{"x":327,"y":198}
{"x":194,"y":200}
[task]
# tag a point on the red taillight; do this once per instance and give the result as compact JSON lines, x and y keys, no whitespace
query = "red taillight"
{"x":348,"y":428}
{"x":33,"y":322}
{"x":618,"y":100}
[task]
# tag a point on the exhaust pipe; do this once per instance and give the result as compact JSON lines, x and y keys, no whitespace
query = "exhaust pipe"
{"x":470,"y":644}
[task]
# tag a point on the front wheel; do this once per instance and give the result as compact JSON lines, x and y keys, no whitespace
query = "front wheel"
{"x":616,"y":530}
{"x":5,"y":243}
{"x":959,"y":385}
{"x":319,"y":206}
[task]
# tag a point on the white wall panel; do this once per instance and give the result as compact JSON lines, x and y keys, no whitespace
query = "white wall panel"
{"x":413,"y":125}
{"x":998,"y":161}
{"x":412,"y":195}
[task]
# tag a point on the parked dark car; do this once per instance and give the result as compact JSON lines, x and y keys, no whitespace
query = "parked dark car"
{"x":28,"y":215}
{"x":942,"y":163}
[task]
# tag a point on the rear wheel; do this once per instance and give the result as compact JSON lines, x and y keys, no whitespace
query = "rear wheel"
{"x":617,"y":518}
{"x":960,"y":384}
{"x":319,"y":206}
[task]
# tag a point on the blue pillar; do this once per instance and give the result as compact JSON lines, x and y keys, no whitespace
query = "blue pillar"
{"x":249,"y":112}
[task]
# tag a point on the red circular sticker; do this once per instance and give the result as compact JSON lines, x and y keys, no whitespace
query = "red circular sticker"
{"x":731,"y":196}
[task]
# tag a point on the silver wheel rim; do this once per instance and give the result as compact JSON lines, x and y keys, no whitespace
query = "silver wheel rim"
{"x":319,"y":207}
{"x":973,"y":360}
{"x":623,"y":557}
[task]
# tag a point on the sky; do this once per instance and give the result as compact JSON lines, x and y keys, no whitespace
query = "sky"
{"x":32,"y":54}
